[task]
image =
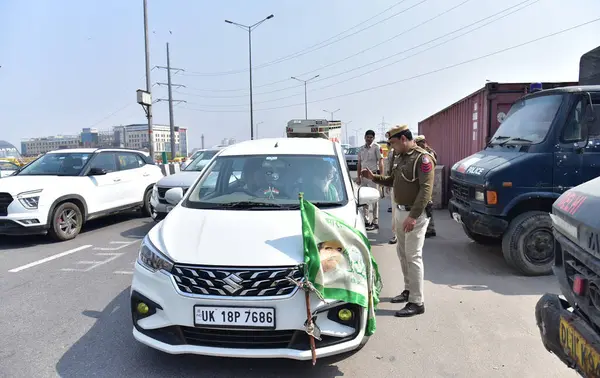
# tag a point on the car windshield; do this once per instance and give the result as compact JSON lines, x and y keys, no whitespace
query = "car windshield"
{"x":528,"y":120}
{"x":352,"y":151}
{"x":56,"y":164}
{"x":274,"y":181}
{"x":200,"y":160}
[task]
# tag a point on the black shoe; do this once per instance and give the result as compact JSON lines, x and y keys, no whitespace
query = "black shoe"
{"x":389,"y":209}
{"x":393,"y":240}
{"x":430,"y":234}
{"x":411,"y":309}
{"x":372,"y":227}
{"x":403,"y":297}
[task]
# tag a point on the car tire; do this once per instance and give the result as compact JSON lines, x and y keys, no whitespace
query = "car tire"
{"x":528,"y":244}
{"x":66,"y":222}
{"x":481,"y":239}
{"x":147,"y":209}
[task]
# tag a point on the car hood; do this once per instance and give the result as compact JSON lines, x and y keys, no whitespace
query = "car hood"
{"x":235,"y":237}
{"x":353,"y":157}
{"x":476,"y":167}
{"x":19,"y":184}
{"x":179,"y":180}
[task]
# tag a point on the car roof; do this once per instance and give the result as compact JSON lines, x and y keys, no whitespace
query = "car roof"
{"x":93,"y":150}
{"x":281,"y":146}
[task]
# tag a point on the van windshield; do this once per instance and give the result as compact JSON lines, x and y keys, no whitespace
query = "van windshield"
{"x":528,"y":121}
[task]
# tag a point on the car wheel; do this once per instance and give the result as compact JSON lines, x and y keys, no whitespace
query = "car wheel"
{"x":481,"y":239}
{"x":528,"y":244}
{"x":66,"y":222}
{"x":147,"y":209}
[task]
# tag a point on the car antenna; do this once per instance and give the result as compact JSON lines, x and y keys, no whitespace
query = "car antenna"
{"x":276,"y":144}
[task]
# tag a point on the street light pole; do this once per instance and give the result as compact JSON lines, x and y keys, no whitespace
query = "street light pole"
{"x":335,"y":111}
{"x":305,"y":98}
{"x":356,"y":131}
{"x":148,"y":85}
{"x":249,"y":29}
{"x":346,"y":130}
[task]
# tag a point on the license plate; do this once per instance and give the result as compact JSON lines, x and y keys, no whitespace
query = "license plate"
{"x":169,"y":208}
{"x":235,"y":317}
{"x":456,"y":217}
{"x":586,"y":356}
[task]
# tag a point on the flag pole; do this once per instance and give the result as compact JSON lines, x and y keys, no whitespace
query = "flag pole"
{"x":309,"y":318}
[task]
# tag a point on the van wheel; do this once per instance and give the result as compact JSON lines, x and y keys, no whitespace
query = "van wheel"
{"x":481,"y":239}
{"x":528,"y":244}
{"x":147,"y":207}
{"x":66,"y":222}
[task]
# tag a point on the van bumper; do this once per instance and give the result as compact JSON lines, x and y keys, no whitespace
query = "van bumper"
{"x":476,"y":222}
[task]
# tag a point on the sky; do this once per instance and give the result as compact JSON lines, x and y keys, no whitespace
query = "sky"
{"x":68,"y":64}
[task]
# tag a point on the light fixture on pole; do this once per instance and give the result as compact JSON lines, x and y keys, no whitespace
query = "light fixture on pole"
{"x":346,"y":130}
{"x":249,"y":30}
{"x":305,"y":98}
{"x":335,"y":111}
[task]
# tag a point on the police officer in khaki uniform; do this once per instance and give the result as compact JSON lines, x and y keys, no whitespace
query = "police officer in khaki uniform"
{"x":412,"y":179}
{"x":422,"y":142}
{"x":390,"y":165}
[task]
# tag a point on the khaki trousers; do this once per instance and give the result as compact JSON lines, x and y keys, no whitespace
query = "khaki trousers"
{"x":394,"y":208}
{"x":374,"y":209}
{"x":410,"y":253}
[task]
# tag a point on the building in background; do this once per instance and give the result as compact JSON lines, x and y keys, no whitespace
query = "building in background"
{"x":97,"y":138}
{"x":36,"y":146}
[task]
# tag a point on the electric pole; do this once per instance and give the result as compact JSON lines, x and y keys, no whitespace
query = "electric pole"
{"x":170,"y":100}
{"x":346,"y":130}
{"x":148,"y":107}
{"x":383,"y":124}
{"x":305,"y":98}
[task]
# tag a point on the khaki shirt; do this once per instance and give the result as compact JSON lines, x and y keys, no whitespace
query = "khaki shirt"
{"x":369,"y":157}
{"x":412,"y":179}
{"x":391,"y":158}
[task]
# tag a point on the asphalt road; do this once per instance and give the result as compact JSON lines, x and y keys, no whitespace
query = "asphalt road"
{"x":68,"y":315}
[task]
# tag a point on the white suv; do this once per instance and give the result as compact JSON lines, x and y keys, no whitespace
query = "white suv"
{"x":216,"y":276}
{"x":61,"y":190}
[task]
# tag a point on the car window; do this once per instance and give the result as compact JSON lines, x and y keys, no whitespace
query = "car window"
{"x":200,"y":160}
{"x":129,"y":160}
{"x":572,"y":129}
{"x":268,"y":180}
{"x":57,"y":164}
{"x":106,"y":161}
{"x":7,"y":166}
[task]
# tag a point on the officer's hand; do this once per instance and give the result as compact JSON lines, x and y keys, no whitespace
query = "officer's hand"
{"x":366,"y":173}
{"x":409,"y":224}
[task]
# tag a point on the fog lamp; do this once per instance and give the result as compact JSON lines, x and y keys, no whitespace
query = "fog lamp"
{"x":345,"y":315}
{"x":142,"y":308}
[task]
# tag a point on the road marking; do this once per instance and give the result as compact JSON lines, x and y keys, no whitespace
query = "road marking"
{"x":122,"y":272}
{"x":95,"y":264}
{"x":121,"y":246}
{"x":50,"y":258}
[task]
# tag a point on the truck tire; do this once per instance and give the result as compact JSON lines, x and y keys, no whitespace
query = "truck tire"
{"x":481,"y":239}
{"x":528,"y":244}
{"x":66,"y":222}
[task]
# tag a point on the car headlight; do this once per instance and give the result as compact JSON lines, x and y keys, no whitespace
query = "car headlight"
{"x":479,"y":196}
{"x":30,"y":199}
{"x":151,"y":259}
{"x":154,"y":192}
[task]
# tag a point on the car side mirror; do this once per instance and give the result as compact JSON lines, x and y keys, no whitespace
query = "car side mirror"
{"x":174,"y":196}
{"x":97,"y":172}
{"x":367,"y":196}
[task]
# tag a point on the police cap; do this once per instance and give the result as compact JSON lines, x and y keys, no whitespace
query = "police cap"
{"x":419,"y":138}
{"x":396,"y":130}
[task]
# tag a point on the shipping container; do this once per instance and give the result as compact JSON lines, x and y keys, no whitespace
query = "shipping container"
{"x":463,"y":128}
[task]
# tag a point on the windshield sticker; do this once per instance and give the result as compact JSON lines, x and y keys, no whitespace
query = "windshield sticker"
{"x":477,"y":171}
{"x":570,"y":202}
{"x":271,"y":158}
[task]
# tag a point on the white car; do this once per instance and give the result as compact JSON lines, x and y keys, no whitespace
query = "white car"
{"x":213,"y":278}
{"x":61,"y":190}
{"x":7,"y":168}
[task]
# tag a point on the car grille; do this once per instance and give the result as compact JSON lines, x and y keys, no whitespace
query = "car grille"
{"x":237,"y":282}
{"x":461,"y":192}
{"x":5,"y":200}
{"x":163,"y":190}
{"x":225,"y":338}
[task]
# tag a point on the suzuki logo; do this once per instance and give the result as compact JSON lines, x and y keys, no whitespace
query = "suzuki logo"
{"x":232,"y":283}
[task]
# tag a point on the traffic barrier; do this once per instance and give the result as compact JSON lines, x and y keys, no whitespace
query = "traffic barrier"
{"x":170,"y":168}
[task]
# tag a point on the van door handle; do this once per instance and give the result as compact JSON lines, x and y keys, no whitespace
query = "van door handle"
{"x":146,"y":174}
{"x":117,"y":180}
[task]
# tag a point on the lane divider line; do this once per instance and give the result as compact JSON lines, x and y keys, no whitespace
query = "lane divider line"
{"x":50,"y":258}
{"x":122,"y":272}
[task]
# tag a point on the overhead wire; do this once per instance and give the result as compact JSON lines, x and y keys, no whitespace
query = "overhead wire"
{"x":414,"y":76}
{"x":396,"y":54}
{"x":315,"y":47}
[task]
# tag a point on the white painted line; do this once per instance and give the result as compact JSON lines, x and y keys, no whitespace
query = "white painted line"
{"x":122,"y":245}
{"x":114,"y":256}
{"x":122,"y":272}
{"x":87,"y":262}
{"x":50,"y":258}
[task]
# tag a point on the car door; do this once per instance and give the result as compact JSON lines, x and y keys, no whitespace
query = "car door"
{"x":106,"y":188}
{"x":133,"y":176}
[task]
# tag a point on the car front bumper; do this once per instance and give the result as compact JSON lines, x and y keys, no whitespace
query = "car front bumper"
{"x":170,"y":327}
{"x":477,"y":222}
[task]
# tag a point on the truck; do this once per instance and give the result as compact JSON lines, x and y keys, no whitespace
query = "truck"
{"x":315,"y":128}
{"x":569,"y":324}
{"x":548,"y":143}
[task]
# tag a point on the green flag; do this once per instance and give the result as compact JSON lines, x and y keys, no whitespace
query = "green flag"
{"x":338,"y":261}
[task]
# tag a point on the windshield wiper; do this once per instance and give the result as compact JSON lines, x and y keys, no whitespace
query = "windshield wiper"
{"x":253,"y":204}
{"x":497,"y":138}
{"x":516,"y":139}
